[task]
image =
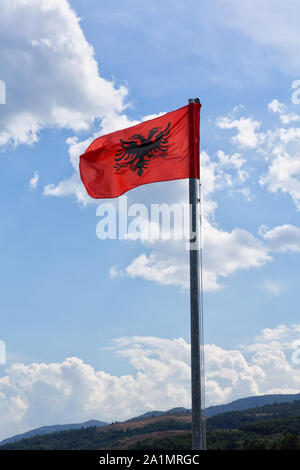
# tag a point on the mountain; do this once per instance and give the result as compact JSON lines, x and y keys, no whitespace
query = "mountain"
{"x":153,"y":414}
{"x":269,"y":427}
{"x":113,"y":436}
{"x":251,"y":402}
{"x":51,"y":429}
{"x":236,"y":405}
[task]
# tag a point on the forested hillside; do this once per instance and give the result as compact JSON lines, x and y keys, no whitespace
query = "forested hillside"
{"x":275,"y":426}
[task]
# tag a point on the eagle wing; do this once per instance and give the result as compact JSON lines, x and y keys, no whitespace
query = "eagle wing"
{"x":138,"y":151}
{"x":160,"y":142}
{"x":129,"y":149}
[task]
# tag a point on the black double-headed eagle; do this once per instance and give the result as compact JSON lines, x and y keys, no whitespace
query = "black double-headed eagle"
{"x":137,"y":152}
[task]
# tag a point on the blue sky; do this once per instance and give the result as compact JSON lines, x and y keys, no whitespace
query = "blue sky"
{"x":100,"y":329}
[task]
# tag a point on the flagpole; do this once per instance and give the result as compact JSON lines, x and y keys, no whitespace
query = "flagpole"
{"x":198,"y":437}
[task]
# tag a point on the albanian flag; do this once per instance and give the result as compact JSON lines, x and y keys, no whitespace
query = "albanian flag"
{"x":161,"y":149}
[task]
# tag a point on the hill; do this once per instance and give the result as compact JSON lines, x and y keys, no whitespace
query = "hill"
{"x":236,"y":405}
{"x":50,"y":429}
{"x":104,"y":437}
{"x":240,"y":404}
{"x":251,"y":402}
{"x":273,"y":426}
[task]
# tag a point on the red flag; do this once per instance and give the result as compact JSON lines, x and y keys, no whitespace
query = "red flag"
{"x":162,"y":149}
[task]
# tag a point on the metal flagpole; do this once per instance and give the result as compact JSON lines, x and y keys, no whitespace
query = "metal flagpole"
{"x":198,"y":434}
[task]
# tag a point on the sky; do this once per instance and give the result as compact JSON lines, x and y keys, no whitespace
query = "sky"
{"x":99,"y":329}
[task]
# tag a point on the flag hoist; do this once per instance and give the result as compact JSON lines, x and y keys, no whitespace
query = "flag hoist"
{"x":161,"y":149}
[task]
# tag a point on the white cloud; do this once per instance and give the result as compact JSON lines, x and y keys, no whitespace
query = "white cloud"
{"x":291,"y":134}
{"x":280,"y":108}
{"x":276,"y":106}
{"x":284,"y":238}
{"x":227,"y":252}
{"x":69,"y":187}
{"x":235,"y":161}
{"x":247,"y":135}
{"x":279,"y":147}
{"x":34,"y":180}
{"x":225,"y":172}
{"x":59,"y":84}
{"x":284,"y":175}
{"x":281,"y":333}
{"x":288,"y":118}
{"x":281,"y":339}
{"x":40,"y":394}
{"x":224,"y":252}
{"x":159,"y":267}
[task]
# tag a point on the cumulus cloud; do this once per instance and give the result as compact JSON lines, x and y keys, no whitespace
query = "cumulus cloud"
{"x":224,"y":252}
{"x":283,"y":238}
{"x":235,"y":161}
{"x":280,"y":108}
{"x":284,"y":175}
{"x":159,"y":268}
{"x":276,"y":106}
{"x":284,"y":334}
{"x":72,"y":391}
{"x":279,"y":146}
{"x":247,"y":130}
{"x":60,"y":85}
{"x":69,"y":187}
{"x":282,"y":153}
{"x":281,"y":339}
{"x":67,"y":90}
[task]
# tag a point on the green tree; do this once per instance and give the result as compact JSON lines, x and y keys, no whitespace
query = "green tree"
{"x":290,"y":442}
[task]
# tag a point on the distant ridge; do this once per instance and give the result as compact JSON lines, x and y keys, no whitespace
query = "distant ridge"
{"x":251,"y":402}
{"x":269,"y":427}
{"x":152,"y":414}
{"x":50,"y":429}
{"x":236,"y":405}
